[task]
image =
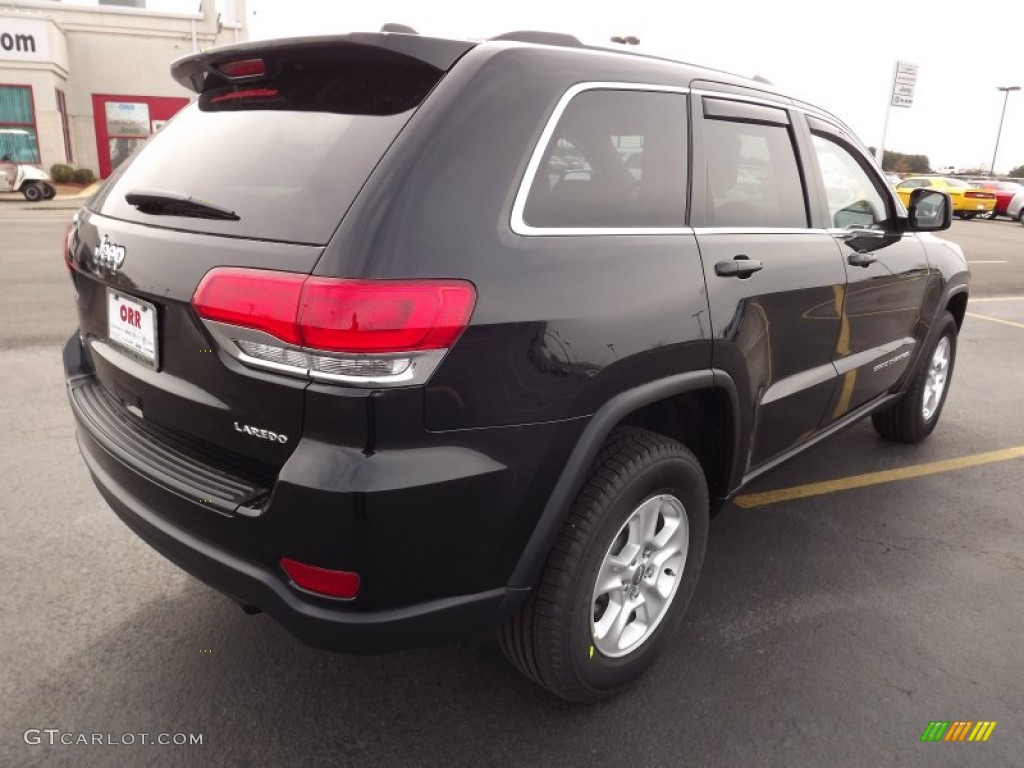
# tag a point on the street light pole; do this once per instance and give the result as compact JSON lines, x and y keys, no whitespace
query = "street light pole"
{"x":1006,"y":91}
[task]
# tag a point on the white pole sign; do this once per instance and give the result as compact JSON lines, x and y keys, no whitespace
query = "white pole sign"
{"x":903,"y":84}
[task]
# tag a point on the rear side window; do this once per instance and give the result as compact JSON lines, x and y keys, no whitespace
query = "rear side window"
{"x":287,"y":153}
{"x":753,"y":177}
{"x":616,"y":159}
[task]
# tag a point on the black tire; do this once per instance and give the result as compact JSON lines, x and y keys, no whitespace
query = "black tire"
{"x":549,"y":639}
{"x":905,"y":422}
{"x":49,"y":192}
{"x":1020,"y":215}
{"x":32,"y":192}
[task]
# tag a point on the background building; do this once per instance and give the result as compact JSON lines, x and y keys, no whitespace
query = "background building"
{"x":86,"y":84}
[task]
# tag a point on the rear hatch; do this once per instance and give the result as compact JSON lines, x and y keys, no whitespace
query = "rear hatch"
{"x":257,"y":174}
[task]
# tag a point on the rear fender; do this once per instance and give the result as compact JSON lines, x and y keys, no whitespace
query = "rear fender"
{"x":581,"y":460}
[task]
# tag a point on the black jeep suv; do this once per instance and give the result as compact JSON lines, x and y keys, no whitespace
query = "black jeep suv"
{"x":404,"y":340}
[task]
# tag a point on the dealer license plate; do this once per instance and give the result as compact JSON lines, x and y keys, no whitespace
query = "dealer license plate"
{"x":131,"y":325}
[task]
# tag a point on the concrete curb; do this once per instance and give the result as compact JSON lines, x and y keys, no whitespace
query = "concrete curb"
{"x":87,"y":192}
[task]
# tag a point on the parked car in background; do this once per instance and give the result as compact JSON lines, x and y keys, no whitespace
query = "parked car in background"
{"x":1015,"y":210}
{"x":1004,"y":191}
{"x":968,"y":201}
{"x":893,"y":178}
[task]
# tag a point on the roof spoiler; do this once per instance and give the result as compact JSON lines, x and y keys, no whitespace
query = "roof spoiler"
{"x":540,"y":38}
{"x":192,"y":71}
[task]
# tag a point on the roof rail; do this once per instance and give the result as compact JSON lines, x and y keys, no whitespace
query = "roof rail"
{"x":400,"y":28}
{"x":541,"y":38}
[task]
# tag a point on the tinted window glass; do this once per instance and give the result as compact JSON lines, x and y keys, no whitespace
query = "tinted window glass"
{"x":287,"y":153}
{"x":753,"y":177}
{"x":852,"y":196}
{"x":616,"y":159}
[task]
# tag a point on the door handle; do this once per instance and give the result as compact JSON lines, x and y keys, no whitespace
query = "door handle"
{"x":861,"y":259}
{"x":740,"y":267}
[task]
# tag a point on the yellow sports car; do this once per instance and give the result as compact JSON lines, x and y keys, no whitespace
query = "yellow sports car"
{"x":968,"y":201}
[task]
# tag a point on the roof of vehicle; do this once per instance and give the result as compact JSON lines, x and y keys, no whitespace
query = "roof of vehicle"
{"x":442,"y":53}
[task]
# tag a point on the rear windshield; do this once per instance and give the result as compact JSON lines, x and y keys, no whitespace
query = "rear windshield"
{"x":287,"y":153}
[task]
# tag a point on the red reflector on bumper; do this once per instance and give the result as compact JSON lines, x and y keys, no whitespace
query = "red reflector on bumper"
{"x":322,"y":580}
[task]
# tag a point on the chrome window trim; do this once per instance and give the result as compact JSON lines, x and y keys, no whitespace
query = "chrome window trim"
{"x":518,"y":223}
{"x":760,"y":231}
{"x":520,"y":227}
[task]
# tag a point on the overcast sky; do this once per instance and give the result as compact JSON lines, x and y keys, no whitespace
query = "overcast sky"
{"x":839,"y":56}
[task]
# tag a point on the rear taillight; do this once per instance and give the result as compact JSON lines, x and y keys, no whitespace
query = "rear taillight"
{"x":384,"y":316}
{"x":980,"y":195}
{"x":323,"y":581}
{"x":263,"y":301}
{"x":370,"y":332}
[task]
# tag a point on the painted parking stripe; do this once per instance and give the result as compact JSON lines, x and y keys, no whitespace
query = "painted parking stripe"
{"x":750,"y":500}
{"x":975,"y":261}
{"x":997,"y":298}
{"x":995,"y":320}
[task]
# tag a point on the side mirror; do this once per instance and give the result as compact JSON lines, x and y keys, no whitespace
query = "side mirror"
{"x":930,"y":210}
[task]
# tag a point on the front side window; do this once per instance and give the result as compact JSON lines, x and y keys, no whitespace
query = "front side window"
{"x":753,"y":177}
{"x":617,"y":159}
{"x":853,"y":198}
{"x":18,"y":141}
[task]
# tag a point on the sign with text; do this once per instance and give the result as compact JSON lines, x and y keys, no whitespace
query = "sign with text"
{"x":903,"y":84}
{"x":127,"y":119}
{"x":24,"y":39}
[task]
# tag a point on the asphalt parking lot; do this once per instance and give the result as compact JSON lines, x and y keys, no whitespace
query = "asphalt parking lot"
{"x":843,"y":606}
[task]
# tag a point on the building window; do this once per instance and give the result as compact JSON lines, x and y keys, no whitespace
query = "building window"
{"x":62,"y":107}
{"x":18,"y":141}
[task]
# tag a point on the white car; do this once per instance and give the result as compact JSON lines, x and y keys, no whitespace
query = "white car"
{"x":1015,"y":210}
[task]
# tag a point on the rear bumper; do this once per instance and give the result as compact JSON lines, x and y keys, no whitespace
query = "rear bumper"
{"x":250,"y":583}
{"x":405,"y":603}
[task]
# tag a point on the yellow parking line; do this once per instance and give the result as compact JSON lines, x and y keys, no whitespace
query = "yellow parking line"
{"x":750,"y":500}
{"x":995,"y":320}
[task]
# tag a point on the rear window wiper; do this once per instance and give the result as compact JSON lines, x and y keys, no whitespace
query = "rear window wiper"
{"x":160,"y":203}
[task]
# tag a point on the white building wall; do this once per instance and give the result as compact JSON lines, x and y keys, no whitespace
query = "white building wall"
{"x":106,"y":50}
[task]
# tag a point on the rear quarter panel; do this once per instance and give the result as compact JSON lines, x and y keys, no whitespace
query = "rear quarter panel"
{"x":562,"y":323}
